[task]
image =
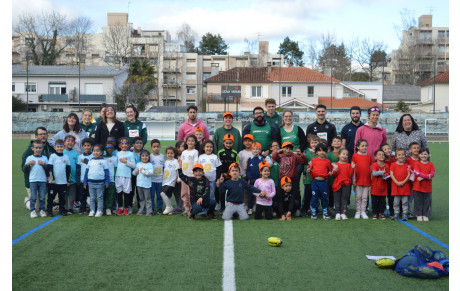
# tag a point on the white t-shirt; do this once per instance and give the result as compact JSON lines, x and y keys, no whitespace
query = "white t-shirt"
{"x":243,"y":157}
{"x":158,"y":162}
{"x":210,"y":164}
{"x":170,"y":173}
{"x":189,"y":158}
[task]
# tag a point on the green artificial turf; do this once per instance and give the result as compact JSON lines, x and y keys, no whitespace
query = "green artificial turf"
{"x":172,"y":253}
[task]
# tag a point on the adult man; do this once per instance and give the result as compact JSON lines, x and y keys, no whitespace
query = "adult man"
{"x":227,"y":128}
{"x":349,"y":131}
{"x":189,"y":126}
{"x":321,"y":127}
{"x":271,"y":116}
{"x":262,"y":131}
{"x":40,"y":134}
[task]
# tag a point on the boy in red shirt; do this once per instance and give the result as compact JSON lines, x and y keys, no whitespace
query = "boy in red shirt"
{"x":380,"y":173}
{"x":400,"y":189}
{"x":320,"y":170}
{"x":289,"y":162}
{"x":424,"y":172}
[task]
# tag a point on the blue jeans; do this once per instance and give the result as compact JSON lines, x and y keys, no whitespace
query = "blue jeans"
{"x":156,"y":188}
{"x":96,"y":193}
{"x":40,"y":188}
{"x":319,"y":190}
{"x":212,"y":189}
{"x":207,"y":203}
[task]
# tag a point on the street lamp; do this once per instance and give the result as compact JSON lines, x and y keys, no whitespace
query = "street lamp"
{"x":27,"y":82}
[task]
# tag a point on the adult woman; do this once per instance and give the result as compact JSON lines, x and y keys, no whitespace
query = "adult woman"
{"x":372,"y":132}
{"x":109,"y":126}
{"x":291,"y":132}
{"x":133,"y":126}
{"x":88,"y":126}
{"x":406,"y":133}
{"x":71,"y":127}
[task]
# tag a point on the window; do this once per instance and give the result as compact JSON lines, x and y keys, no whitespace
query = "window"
{"x":20,"y":87}
{"x":311,"y":91}
{"x":425,"y":35}
{"x":32,"y":87}
{"x":256,"y":91}
{"x":205,"y":76}
{"x":191,"y":90}
{"x":190,"y":103}
{"x":441,"y":34}
{"x":286,"y":91}
{"x":57,"y":110}
{"x":57,"y":88}
{"x":169,"y":103}
{"x":442,"y":48}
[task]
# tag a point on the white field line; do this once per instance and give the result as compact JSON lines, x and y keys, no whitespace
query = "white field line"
{"x":228,"y":270}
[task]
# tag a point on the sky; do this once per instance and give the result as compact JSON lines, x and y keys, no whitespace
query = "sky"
{"x":268,"y":20}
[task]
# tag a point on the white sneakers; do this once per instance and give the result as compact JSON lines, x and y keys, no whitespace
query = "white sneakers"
{"x":91,"y":213}
{"x":42,"y":213}
{"x":343,"y":216}
{"x":33,"y":214}
{"x":98,"y":214}
{"x":168,"y":210}
{"x":364,"y":215}
{"x":425,"y":218}
{"x":357,"y":215}
{"x":419,"y":218}
{"x":108,"y":212}
{"x":337,"y":216}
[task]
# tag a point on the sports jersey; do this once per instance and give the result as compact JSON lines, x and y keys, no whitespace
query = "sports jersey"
{"x":274,"y":171}
{"x":400,"y":173}
{"x":158,"y":162}
{"x":82,"y":162}
{"x":97,"y":171}
{"x":362,"y":169}
{"x":324,"y":130}
{"x":144,"y":179}
{"x":59,"y":165}
{"x":112,"y":163}
{"x":37,"y":172}
{"x":379,"y":186}
{"x":411,"y":161}
{"x":227,"y":157}
{"x":421,"y":170}
{"x":137,"y":157}
{"x":135,"y":129}
{"x":210,"y":164}
{"x":243,"y":157}
{"x":89,"y":129}
{"x":252,"y":168}
{"x":331,"y":157}
{"x":73,"y":157}
{"x":342,"y":176}
{"x":189,"y":158}
{"x":262,"y":134}
{"x":320,"y":168}
{"x":292,"y":136}
{"x":310,"y":155}
{"x":170,"y":172}
{"x":124,"y":169}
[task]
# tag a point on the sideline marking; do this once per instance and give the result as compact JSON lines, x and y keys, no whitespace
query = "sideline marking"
{"x":35,"y":229}
{"x":228,"y":270}
{"x":425,"y":234}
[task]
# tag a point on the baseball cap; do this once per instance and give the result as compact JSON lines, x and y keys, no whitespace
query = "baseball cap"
{"x":228,"y":114}
{"x":285,"y":180}
{"x":262,"y":165}
{"x":250,"y":136}
{"x":228,"y":136}
{"x":287,"y":143}
{"x":197,"y":166}
{"x":256,"y":144}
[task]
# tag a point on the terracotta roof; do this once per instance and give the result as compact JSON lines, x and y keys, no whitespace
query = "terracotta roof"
{"x":245,"y":75}
{"x":298,"y":74}
{"x":348,"y":102}
{"x":441,"y":78}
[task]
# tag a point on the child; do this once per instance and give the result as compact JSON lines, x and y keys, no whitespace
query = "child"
{"x":144,"y":173}
{"x":389,"y":159}
{"x":137,"y":147}
{"x":170,"y":176}
{"x":265,"y":184}
{"x":286,"y":201}
{"x":126,"y":162}
{"x":199,"y":133}
{"x":112,"y":139}
{"x":333,"y":157}
{"x":227,"y":156}
{"x":424,"y":173}
{"x":342,"y":172}
{"x":189,"y":157}
{"x":199,"y":192}
{"x":252,"y":172}
{"x":232,"y":190}
{"x":380,"y":173}
{"x":414,"y":150}
{"x":96,"y":178}
{"x":59,"y":169}
{"x":177,"y":187}
{"x":362,"y":180}
{"x":400,"y":189}
{"x":82,"y":164}
{"x":243,"y":157}
{"x":319,"y":170}
{"x":158,"y":161}
{"x":310,"y":154}
{"x":38,"y":176}
{"x":110,"y":200}
{"x":71,"y":193}
{"x":274,"y":166}
{"x":211,"y":165}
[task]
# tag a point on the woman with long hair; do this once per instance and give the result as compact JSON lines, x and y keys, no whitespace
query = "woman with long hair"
{"x":71,"y":127}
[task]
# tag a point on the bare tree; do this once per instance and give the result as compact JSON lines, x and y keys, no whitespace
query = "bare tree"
{"x":251,"y":46}
{"x":117,"y":43}
{"x":188,"y":36}
{"x":80,"y":28}
{"x":407,"y":21}
{"x":40,"y":34}
{"x":368,"y":55}
{"x":312,"y":55}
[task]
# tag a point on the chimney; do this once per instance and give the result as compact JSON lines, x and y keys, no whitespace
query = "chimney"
{"x":269,"y":67}
{"x":246,"y":53}
{"x":82,"y":65}
{"x":24,"y":64}
{"x":117,"y":65}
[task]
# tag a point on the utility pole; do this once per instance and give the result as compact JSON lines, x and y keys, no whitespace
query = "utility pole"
{"x":27,"y":83}
{"x":434,"y":85}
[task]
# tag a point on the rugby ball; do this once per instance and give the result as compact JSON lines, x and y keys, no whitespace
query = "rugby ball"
{"x":385,"y":263}
{"x":274,"y":241}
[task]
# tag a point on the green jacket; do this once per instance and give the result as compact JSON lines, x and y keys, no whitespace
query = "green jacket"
{"x":219,"y":136}
{"x":89,"y":129}
{"x":276,"y":120}
{"x":134,"y":129}
{"x":47,"y":151}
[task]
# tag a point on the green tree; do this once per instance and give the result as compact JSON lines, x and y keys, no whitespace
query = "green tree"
{"x":292,"y":53}
{"x":211,"y":44}
{"x":402,"y":106}
{"x":335,"y":56}
{"x":140,"y":82}
{"x":359,"y":76}
{"x":18,"y":104}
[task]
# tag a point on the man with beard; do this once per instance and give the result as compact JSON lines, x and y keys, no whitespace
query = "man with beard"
{"x":261,"y":130}
{"x":189,"y":126}
{"x":349,"y":131}
{"x":321,"y":127}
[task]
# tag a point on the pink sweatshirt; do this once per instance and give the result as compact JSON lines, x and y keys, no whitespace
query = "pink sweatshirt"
{"x":267,"y":186}
{"x":186,"y":128}
{"x":375,"y":136}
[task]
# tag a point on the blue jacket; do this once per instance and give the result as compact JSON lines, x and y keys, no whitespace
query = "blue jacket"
{"x":252,"y":168}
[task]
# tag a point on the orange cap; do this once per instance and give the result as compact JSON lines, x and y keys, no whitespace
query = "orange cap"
{"x":231,"y":166}
{"x":197,"y":166}
{"x":285,"y":180}
{"x":287,"y":143}
{"x":250,"y":136}
{"x":256,"y":144}
{"x":228,"y":114}
{"x":198,"y":129}
{"x":228,"y":136}
{"x":262,"y":165}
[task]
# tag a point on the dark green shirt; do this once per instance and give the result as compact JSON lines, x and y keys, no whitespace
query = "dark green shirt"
{"x":89,"y":129}
{"x":219,"y":136}
{"x":134,"y":129}
{"x":276,"y":120}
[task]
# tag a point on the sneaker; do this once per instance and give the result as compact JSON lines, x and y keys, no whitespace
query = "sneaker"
{"x":419,"y":218}
{"x":33,"y":214}
{"x":313,"y":216}
{"x":250,"y":212}
{"x":69,"y":211}
{"x":374,"y":216}
{"x":168,"y":210}
{"x":217,"y":207}
{"x":159,"y":211}
{"x":130,"y":210}
{"x":185,"y":213}
{"x":343,"y":216}
{"x":42,"y":213}
{"x":91,"y":213}
{"x":425,"y":218}
{"x":149,"y":214}
{"x":191,"y":216}
{"x":337,"y":216}
{"x":139,"y":213}
{"x":382,"y":216}
{"x":297,"y":213}
{"x":98,"y":214}
{"x":119,"y":211}
{"x":177,"y":210}
{"x":81,"y":211}
{"x":126,"y":211}
{"x":395,"y":217}
{"x":212,"y":216}
{"x":326,"y":216}
{"x":357,"y":215}
{"x":108,"y":212}
{"x":405,"y":217}
{"x":364,"y":215}
{"x":303,"y":213}
{"x":50,"y":214}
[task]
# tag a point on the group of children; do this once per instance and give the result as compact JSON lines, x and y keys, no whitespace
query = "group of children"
{"x":237,"y":184}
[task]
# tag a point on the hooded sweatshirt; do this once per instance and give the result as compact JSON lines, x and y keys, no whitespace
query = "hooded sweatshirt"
{"x":187,"y":128}
{"x":375,"y":136}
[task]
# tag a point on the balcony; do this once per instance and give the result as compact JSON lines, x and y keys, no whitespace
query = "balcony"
{"x":86,"y":98}
{"x":170,"y":83}
{"x":92,"y":98}
{"x":53,"y":98}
